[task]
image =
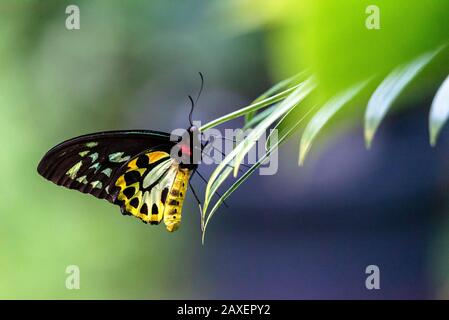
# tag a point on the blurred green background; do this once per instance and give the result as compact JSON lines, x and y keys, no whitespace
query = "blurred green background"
{"x":132,"y":65}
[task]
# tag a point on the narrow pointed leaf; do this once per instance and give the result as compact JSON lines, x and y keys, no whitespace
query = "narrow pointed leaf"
{"x":289,"y":123}
{"x":439,"y":111}
{"x":297,"y":95}
{"x":259,"y":117}
{"x":252,"y":107}
{"x":285,"y":106}
{"x":323,"y":115}
{"x":273,"y":90}
{"x":389,"y":90}
{"x":217,"y":183}
{"x":248,"y":173}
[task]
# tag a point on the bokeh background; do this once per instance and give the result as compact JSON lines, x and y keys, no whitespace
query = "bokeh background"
{"x":306,"y":232}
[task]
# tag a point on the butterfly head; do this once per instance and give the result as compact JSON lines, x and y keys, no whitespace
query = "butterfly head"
{"x":193,"y":130}
{"x":190,"y":145}
{"x":190,"y":148}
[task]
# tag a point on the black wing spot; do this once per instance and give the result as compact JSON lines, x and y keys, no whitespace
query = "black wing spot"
{"x":174,"y":193}
{"x":122,"y":207}
{"x":144,"y":209}
{"x":180,"y":194}
{"x":143,"y":161}
{"x":134,"y":202}
{"x":164,"y":195}
{"x":174,"y":203}
{"x":129,"y":192}
{"x":154,"y":209}
{"x":132,"y":177}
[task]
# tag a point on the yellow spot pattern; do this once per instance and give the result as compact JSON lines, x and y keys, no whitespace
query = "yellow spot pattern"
{"x":82,"y":180}
{"x":73,"y":171}
{"x":91,"y":144}
{"x":138,"y":198}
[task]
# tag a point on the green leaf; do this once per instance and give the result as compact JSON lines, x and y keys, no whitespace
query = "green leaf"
{"x":252,"y":107}
{"x":388,"y":91}
{"x":249,"y":172}
{"x":259,"y":117}
{"x":288,"y":122}
{"x":217,"y":183}
{"x":439,"y":111}
{"x":273,"y":90}
{"x":300,"y":92}
{"x":324,"y":115}
{"x":284,"y":107}
{"x":281,"y":123}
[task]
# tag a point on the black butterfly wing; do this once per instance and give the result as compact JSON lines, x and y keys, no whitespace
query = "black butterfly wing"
{"x":91,"y":163}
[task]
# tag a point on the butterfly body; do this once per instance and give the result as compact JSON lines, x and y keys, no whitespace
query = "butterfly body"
{"x":175,"y":199}
{"x":133,"y":169}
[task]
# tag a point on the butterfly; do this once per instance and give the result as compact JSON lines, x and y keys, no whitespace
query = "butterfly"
{"x":133,"y":169}
{"x":144,"y":172}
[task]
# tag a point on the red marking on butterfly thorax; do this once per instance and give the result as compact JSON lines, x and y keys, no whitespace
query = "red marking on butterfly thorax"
{"x":185,"y":149}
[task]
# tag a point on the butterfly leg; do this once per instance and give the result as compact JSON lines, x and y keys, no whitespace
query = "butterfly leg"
{"x":199,"y":204}
{"x":219,"y":151}
{"x":216,"y":193}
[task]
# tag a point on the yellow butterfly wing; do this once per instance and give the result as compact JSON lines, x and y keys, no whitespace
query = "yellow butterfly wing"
{"x":152,"y":188}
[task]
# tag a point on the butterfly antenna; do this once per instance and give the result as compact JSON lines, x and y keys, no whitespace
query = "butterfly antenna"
{"x":197,"y":98}
{"x":191,"y":110}
{"x":201,"y":87}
